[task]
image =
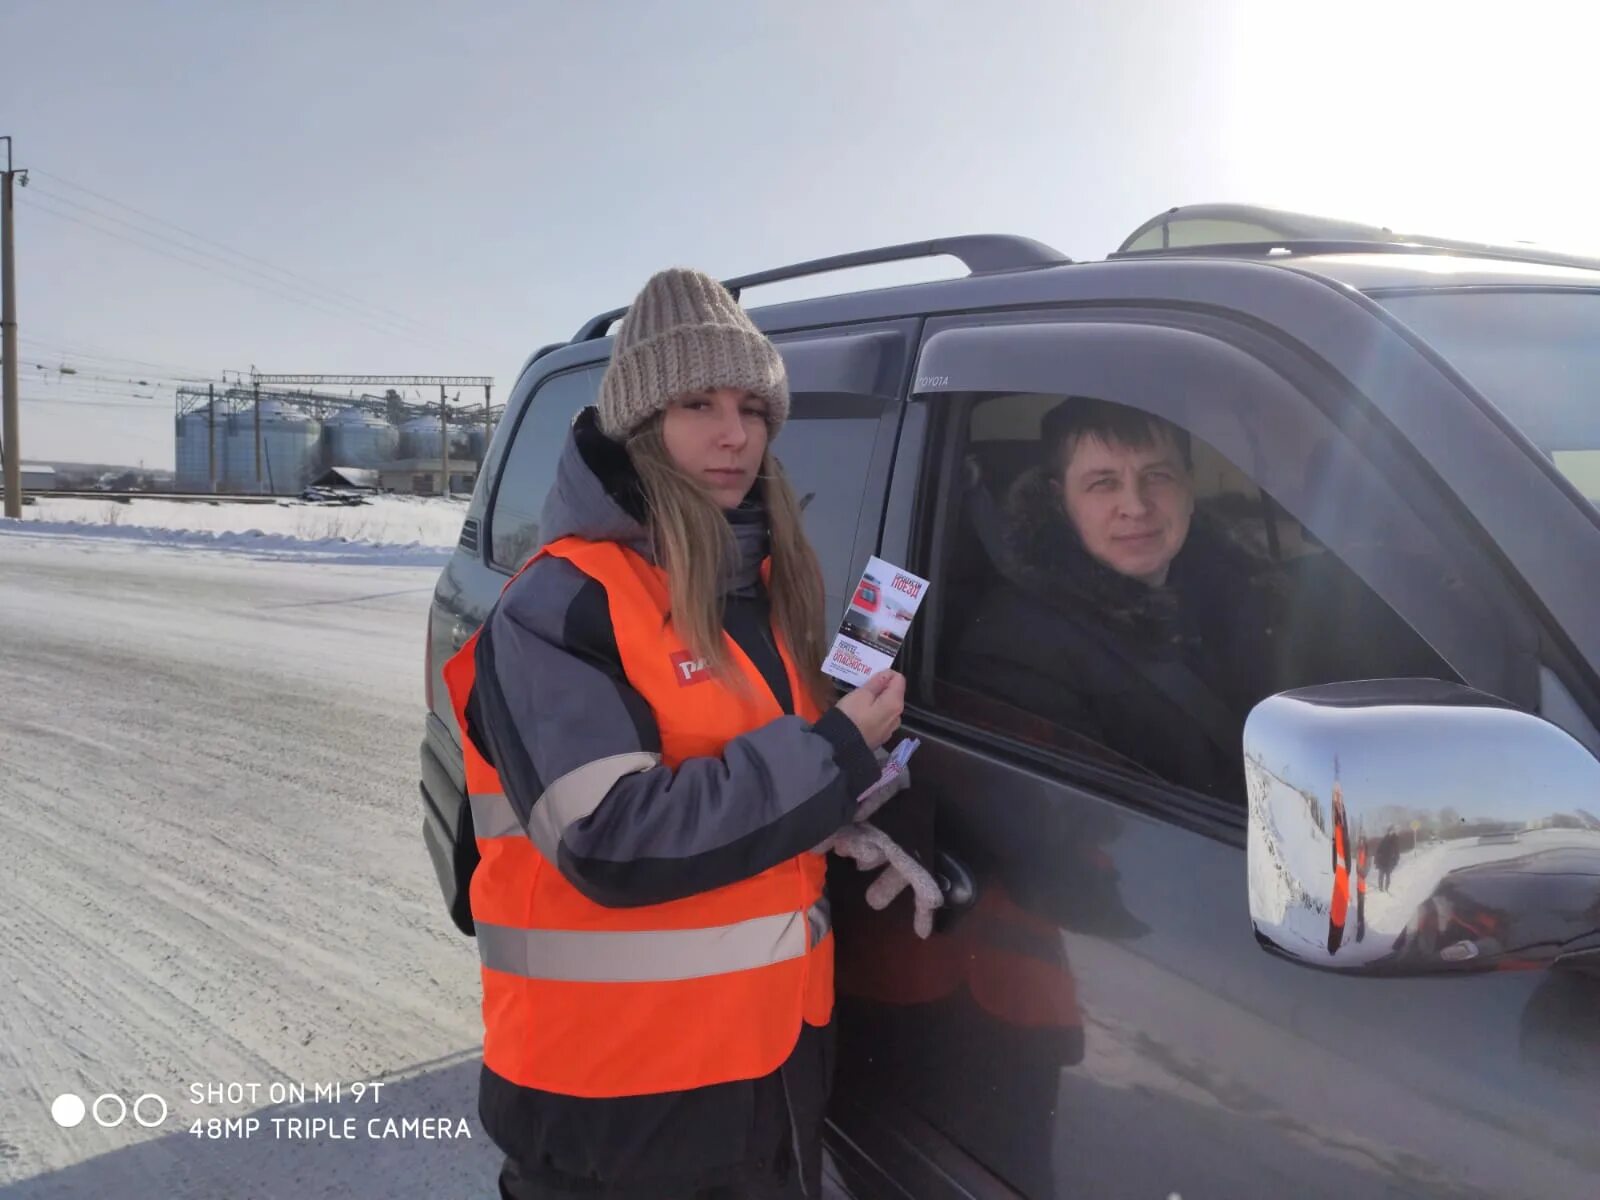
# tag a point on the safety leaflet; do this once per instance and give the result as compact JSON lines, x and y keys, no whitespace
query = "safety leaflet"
{"x":875,"y":622}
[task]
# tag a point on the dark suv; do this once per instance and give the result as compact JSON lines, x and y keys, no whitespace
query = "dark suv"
{"x":1403,"y":436}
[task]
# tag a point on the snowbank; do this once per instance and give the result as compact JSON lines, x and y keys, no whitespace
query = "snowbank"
{"x":1287,"y":894}
{"x":400,"y":529}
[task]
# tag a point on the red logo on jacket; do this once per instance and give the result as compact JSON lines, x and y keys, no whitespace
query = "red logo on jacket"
{"x":689,"y":669}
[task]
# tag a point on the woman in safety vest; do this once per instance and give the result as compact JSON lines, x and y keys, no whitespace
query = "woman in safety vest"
{"x":1339,"y":903}
{"x":652,"y":757}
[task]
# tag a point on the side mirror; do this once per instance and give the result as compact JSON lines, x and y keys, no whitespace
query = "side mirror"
{"x":1413,"y":827}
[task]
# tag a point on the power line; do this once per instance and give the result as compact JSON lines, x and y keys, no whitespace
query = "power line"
{"x":52,"y":381}
{"x":88,"y":372}
{"x":148,"y":402}
{"x":65,"y":402}
{"x":402,"y":325}
{"x":126,"y":387}
{"x":62,"y":369}
{"x":271,"y":288}
{"x":82,"y":350}
{"x":152,"y":402}
{"x":377,"y":380}
{"x":268,"y":288}
{"x":188,"y":233}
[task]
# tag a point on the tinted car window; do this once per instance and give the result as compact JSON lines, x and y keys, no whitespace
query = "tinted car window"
{"x":825,"y":448}
{"x":1535,"y":355}
{"x":530,"y":464}
{"x":1049,"y":639}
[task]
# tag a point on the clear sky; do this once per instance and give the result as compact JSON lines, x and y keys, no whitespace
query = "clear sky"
{"x":410,"y":187}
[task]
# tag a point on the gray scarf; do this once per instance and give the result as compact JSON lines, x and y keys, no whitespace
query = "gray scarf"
{"x":741,"y":573}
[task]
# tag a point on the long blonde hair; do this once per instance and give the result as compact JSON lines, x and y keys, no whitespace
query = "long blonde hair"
{"x":693,"y":541}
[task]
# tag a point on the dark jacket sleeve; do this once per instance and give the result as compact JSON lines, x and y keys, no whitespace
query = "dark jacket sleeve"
{"x":579,"y":755}
{"x":1015,"y":652}
{"x":1035,"y":690}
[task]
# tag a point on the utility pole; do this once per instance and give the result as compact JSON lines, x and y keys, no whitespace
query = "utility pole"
{"x":211,"y":434}
{"x":10,"y":424}
{"x":444,"y":440}
{"x":488,"y":428}
{"x":258,"y":436}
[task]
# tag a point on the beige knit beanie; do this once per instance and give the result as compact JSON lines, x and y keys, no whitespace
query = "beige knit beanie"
{"x":685,"y":334}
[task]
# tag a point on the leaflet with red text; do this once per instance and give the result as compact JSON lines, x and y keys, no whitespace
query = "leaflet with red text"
{"x":875,"y":622}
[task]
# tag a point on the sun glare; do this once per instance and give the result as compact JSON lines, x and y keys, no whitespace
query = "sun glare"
{"x":1466,"y":120}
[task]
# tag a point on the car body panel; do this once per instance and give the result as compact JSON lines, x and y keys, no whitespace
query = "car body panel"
{"x":1200,"y":1065}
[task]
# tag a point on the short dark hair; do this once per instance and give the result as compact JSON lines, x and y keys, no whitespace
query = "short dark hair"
{"x":1078,"y":417}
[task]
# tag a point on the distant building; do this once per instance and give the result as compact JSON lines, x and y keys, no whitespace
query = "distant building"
{"x":357,"y":479}
{"x":424,"y":477}
{"x":37,"y":477}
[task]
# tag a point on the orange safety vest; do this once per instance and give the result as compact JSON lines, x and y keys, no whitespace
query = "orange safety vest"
{"x":586,"y":1000}
{"x":1341,"y":877}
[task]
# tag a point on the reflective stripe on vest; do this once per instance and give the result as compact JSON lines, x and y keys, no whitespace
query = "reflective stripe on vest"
{"x":638,"y":956}
{"x":493,"y":816}
{"x":569,"y":799}
{"x":694,"y":992}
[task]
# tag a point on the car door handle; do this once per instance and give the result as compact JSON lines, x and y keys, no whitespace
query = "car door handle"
{"x":955,"y":881}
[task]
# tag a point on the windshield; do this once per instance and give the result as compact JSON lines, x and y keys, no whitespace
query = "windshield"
{"x":1534,"y":354}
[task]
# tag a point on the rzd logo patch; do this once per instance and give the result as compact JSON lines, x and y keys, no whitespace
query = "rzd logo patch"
{"x":689,"y":670}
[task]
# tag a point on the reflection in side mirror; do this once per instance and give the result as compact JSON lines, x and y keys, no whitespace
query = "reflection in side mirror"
{"x":1410,"y":827}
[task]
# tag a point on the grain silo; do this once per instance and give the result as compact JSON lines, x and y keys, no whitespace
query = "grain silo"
{"x":357,"y":438}
{"x":291,"y":449}
{"x":419,"y":438}
{"x":201,"y":450}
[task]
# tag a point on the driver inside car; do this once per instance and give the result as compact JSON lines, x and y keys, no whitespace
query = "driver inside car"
{"x":1119,"y":614}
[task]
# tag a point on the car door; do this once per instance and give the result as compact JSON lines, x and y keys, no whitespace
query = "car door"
{"x":1100,"y":1020}
{"x":500,"y":530}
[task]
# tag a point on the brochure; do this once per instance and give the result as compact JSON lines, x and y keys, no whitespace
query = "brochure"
{"x":892,"y":769}
{"x":875,"y":622}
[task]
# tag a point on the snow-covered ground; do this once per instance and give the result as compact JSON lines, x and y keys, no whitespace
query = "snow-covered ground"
{"x":213,"y":875}
{"x":402,"y":528}
{"x":1289,"y":865}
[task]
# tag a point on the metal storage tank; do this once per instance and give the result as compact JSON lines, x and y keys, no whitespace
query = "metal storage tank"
{"x":357,"y":438}
{"x":477,"y":443}
{"x":291,"y":449}
{"x":419,"y":438}
{"x":239,"y":468}
{"x":194,"y":455}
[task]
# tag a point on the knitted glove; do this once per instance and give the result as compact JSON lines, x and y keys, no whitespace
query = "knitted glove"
{"x":876,"y":796}
{"x":871,"y":848}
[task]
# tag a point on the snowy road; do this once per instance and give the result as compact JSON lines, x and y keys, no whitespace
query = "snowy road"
{"x":212,"y":875}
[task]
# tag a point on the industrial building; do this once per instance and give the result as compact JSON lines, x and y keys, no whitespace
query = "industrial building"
{"x":38,"y":478}
{"x":256,"y":440}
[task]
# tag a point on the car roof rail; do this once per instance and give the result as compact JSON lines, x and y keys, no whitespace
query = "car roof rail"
{"x":981,"y":253}
{"x":1282,"y":232}
{"x":1287,"y":247}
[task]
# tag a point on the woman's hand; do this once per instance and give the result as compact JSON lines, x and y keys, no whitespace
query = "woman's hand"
{"x":875,"y":707}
